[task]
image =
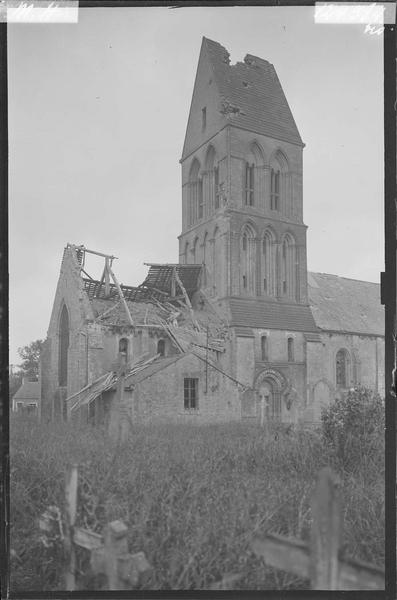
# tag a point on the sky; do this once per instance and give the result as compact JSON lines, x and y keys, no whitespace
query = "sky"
{"x":97,"y":117}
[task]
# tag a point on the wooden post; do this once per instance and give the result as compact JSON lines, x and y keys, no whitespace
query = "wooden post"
{"x":187,"y":300}
{"x":173,"y":284}
{"x":115,"y":545}
{"x":71,"y":483}
{"x":318,"y":561}
{"x":120,"y":291}
{"x":107,"y":280}
{"x":325,"y":532}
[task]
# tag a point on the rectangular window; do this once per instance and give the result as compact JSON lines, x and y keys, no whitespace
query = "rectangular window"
{"x":290,"y":350}
{"x":203,"y":118}
{"x":264,"y":352}
{"x":244,"y":281}
{"x":284,"y":287}
{"x":249,"y":184}
{"x":264,"y":285}
{"x":190,"y":393}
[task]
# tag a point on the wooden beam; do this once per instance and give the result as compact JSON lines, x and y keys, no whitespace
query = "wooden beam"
{"x":187,"y":300}
{"x":120,"y":291}
{"x":85,"y":273}
{"x":293,"y":556}
{"x":173,"y":286}
{"x":284,"y":553}
{"x":87,"y":539}
{"x":97,"y":253}
{"x":325,"y":532}
{"x":71,"y":482}
{"x":107,"y":279}
{"x":318,"y":560}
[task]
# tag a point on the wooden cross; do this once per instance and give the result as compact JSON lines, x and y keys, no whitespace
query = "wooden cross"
{"x":319,"y":561}
{"x":109,"y":551}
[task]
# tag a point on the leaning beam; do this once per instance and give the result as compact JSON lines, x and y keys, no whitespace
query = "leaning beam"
{"x":122,"y":298}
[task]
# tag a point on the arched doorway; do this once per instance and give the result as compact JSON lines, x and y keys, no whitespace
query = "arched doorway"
{"x":269,"y":402}
{"x":270,"y":386}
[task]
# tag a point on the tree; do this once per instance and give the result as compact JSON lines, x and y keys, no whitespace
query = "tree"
{"x":14,"y":382}
{"x":354,"y":424}
{"x":30,"y":355}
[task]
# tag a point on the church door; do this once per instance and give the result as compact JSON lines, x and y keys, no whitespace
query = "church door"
{"x":269,"y":403}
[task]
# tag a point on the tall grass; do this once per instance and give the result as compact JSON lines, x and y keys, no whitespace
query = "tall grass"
{"x":192,"y":497}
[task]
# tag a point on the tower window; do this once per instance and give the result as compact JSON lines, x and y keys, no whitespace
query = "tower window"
{"x":203,"y":118}
{"x":161,"y":347}
{"x":274,"y":189}
{"x":200,"y":199}
{"x":190,"y":393}
{"x":264,"y":284}
{"x":245,"y":282}
{"x":123,"y":350}
{"x":264,"y":348}
{"x":290,"y":344}
{"x":216,"y":187}
{"x":244,"y":242}
{"x":249,"y":184}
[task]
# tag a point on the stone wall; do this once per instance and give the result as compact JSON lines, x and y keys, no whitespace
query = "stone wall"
{"x":161,"y":396}
{"x":365,"y":367}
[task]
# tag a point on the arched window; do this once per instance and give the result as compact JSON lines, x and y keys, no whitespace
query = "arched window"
{"x":161,"y":347}
{"x":289,"y":268}
{"x":253,"y":176}
{"x":217,"y":192}
{"x":186,"y":253}
{"x":342,"y":368}
{"x":248,"y":260}
{"x":123,"y":348}
{"x":275,"y":189}
{"x":212,"y":175}
{"x":268,"y":264}
{"x":264,"y":348}
{"x":279,"y":188}
{"x":196,"y":206}
{"x":249,"y":184}
{"x":194,"y":251}
{"x":290,"y":344}
{"x":63,"y":347}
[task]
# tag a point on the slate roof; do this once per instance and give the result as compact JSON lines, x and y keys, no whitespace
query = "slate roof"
{"x":341,"y":304}
{"x":252,"y":94}
{"x":29,"y":390}
{"x":246,"y":312}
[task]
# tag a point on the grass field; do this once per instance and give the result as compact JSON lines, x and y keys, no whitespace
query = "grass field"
{"x":192,"y":497}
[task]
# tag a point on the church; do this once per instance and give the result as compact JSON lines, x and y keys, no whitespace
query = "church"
{"x":237,"y":328}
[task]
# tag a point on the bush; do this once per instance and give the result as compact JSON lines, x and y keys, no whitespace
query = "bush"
{"x":353,"y":426}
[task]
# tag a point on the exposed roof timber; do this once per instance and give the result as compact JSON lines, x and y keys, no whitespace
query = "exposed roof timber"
{"x":84,"y":249}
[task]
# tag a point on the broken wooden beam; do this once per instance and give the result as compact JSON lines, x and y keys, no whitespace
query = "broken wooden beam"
{"x":122,"y":298}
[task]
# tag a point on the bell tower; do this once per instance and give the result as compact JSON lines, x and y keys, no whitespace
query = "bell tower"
{"x":242,"y":184}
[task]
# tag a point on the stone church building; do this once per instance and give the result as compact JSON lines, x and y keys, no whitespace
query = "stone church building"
{"x":238,"y":328}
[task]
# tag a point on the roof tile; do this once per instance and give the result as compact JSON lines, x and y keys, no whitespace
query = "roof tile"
{"x":252,"y":94}
{"x":341,"y":304}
